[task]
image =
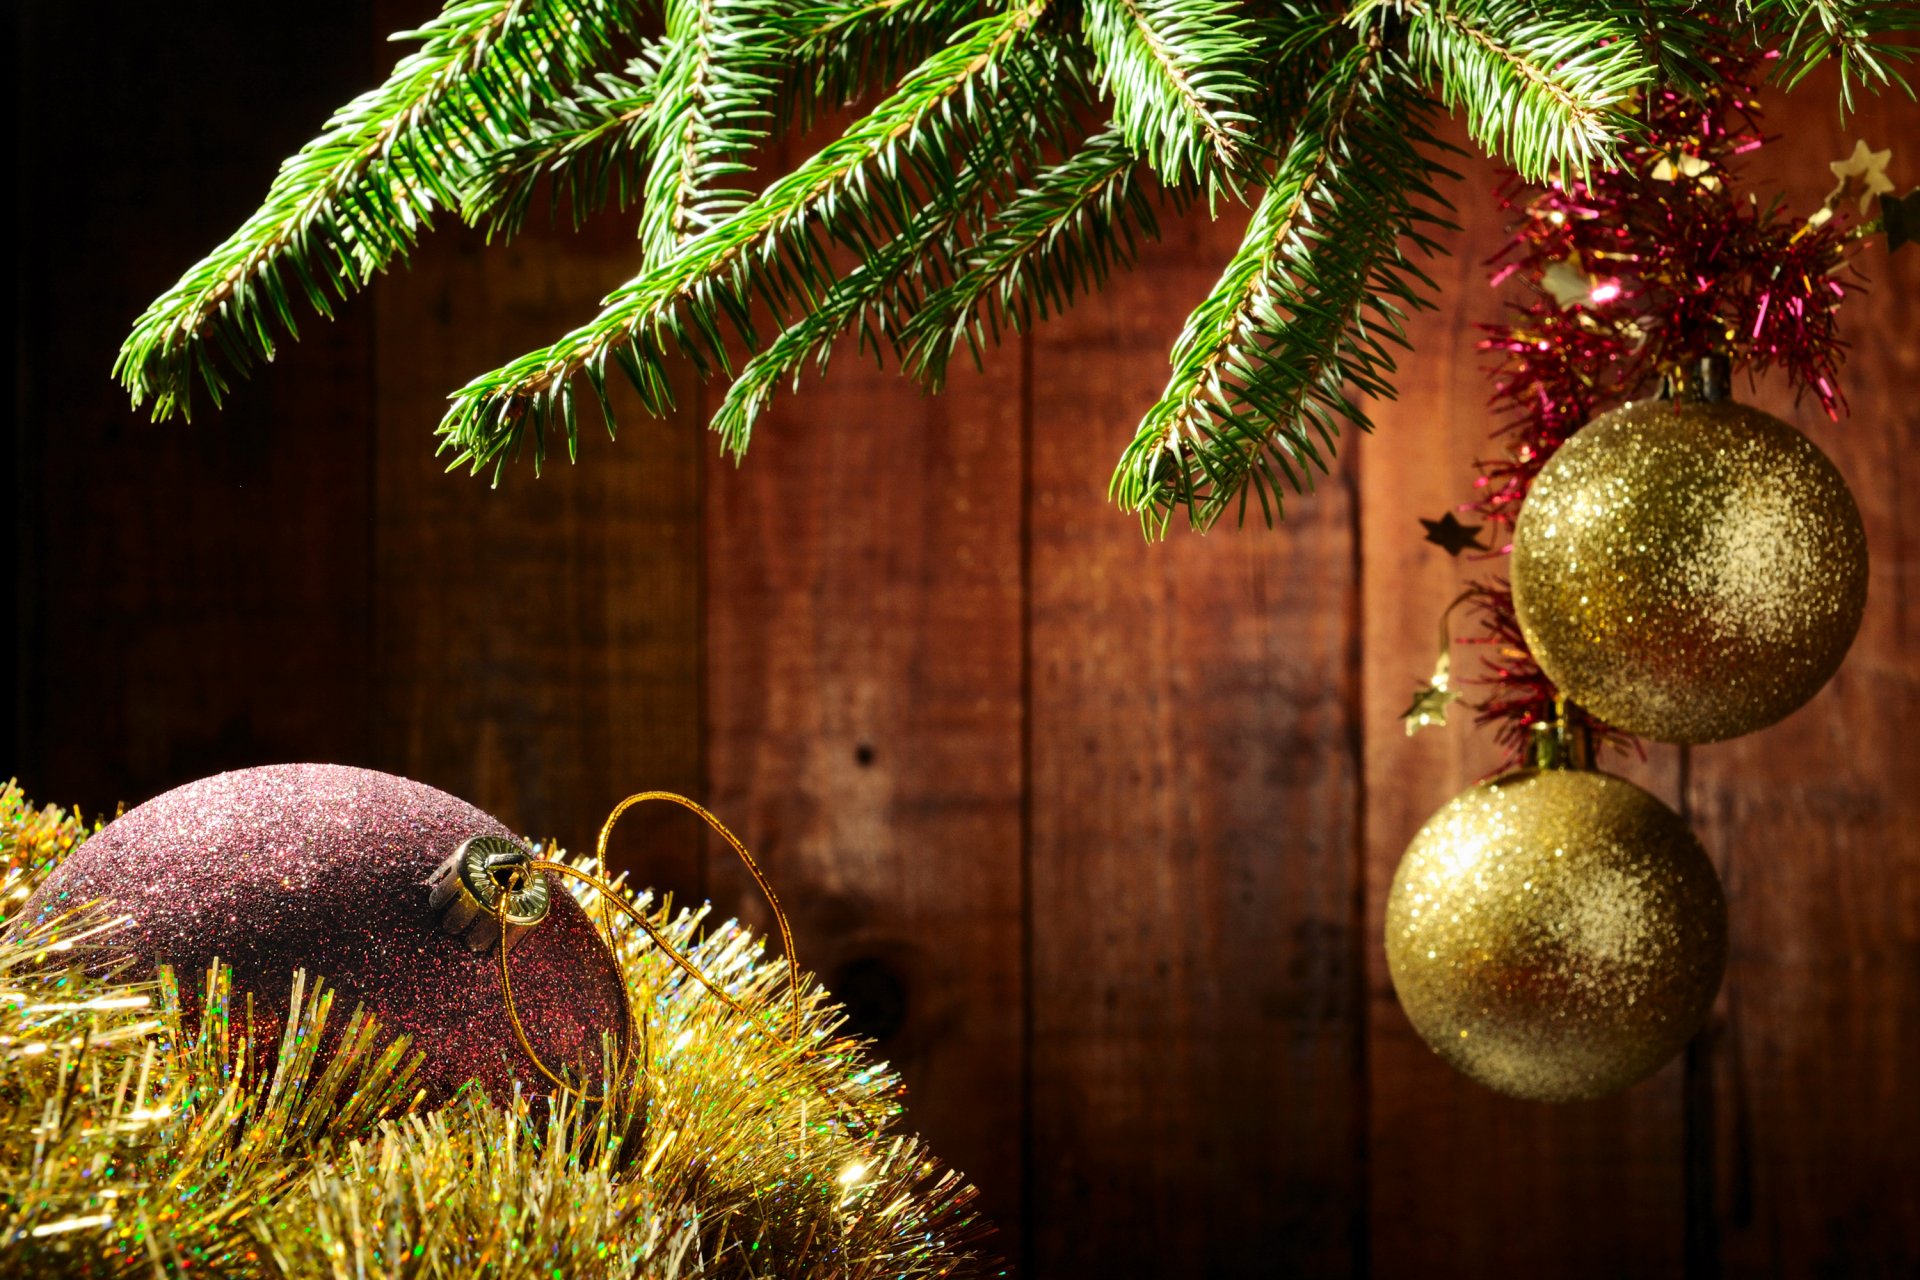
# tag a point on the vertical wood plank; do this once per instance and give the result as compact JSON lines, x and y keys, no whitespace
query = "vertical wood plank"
{"x":864,"y":678}
{"x":538,"y":643}
{"x":1196,"y":988}
{"x":1814,"y":1171}
{"x":1465,"y":1182}
{"x":192,"y":596}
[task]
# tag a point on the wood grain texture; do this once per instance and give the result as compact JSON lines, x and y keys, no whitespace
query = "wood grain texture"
{"x":1196,"y":991}
{"x":1811,"y":1071}
{"x":1464,"y":1182}
{"x":1094,"y":835}
{"x":191,"y":597}
{"x":864,"y":686}
{"x":537,"y":644}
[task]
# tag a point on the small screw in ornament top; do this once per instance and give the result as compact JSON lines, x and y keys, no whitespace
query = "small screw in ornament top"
{"x":466,"y":891}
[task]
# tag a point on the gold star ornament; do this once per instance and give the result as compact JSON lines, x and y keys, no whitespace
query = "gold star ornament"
{"x":1430,"y":701}
{"x":1568,"y":282}
{"x":1679,"y":166}
{"x":1862,"y":176}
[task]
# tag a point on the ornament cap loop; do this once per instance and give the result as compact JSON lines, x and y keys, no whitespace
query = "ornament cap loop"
{"x":611,"y":898}
{"x":469,"y":887}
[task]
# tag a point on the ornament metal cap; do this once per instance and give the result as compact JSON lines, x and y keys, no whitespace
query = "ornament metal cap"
{"x":466,"y":889}
{"x":1709,"y":380}
{"x":1560,"y":743}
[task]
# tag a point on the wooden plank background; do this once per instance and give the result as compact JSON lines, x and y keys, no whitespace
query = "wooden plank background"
{"x":1092,"y":835}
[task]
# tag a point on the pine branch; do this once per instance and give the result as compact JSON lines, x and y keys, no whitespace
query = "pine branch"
{"x":1678,"y":39}
{"x":1544,"y":86}
{"x":874,"y":298}
{"x":845,"y":47}
{"x":1306,"y":306}
{"x":1299,"y":44}
{"x":1086,"y":215}
{"x":593,"y":146}
{"x":1854,"y":31}
{"x":1061,"y":236}
{"x":930,"y":221}
{"x":852,"y":191}
{"x":356,"y":197}
{"x":713,"y":100}
{"x":1176,"y":70}
{"x":589,"y":146}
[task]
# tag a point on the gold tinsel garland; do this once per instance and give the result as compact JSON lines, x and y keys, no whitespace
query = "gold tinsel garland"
{"x":132,"y":1143}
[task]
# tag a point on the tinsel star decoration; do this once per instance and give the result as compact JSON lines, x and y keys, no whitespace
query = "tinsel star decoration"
{"x":1677,"y":166}
{"x":1568,"y":283}
{"x":1453,"y":537}
{"x":1430,"y":700}
{"x":1862,"y":176}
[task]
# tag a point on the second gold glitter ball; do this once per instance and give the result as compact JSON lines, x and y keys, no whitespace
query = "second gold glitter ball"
{"x":1556,"y":935}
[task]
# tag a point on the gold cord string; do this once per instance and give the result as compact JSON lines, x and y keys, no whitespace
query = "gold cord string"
{"x":610,"y":896}
{"x":1443,"y":664}
{"x":753,"y":869}
{"x":1430,"y":701}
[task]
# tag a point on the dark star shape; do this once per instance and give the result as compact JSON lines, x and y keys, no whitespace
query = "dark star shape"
{"x":1447,"y":532}
{"x":1900,"y":215}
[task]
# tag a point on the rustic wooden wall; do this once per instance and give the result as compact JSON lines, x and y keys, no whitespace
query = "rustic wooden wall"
{"x":1093,"y":835}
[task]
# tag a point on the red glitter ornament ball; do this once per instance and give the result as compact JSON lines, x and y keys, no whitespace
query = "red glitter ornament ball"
{"x":325,"y":868}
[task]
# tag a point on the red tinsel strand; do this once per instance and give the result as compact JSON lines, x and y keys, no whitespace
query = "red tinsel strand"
{"x":1521,"y":695}
{"x":1637,"y":274}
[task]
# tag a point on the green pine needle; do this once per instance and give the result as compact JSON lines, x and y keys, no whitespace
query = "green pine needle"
{"x":842,"y":49}
{"x":1061,"y":237}
{"x":858,"y":189}
{"x":1306,"y":309}
{"x":885,"y":294}
{"x":713,"y":102}
{"x":1864,"y":36}
{"x":1545,"y":87}
{"x":587,"y":148}
{"x":357,"y":197}
{"x":1177,"y":71}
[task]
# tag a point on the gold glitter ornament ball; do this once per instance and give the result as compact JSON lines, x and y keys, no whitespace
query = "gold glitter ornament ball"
{"x":1689,"y":572}
{"x":1556,"y":935}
